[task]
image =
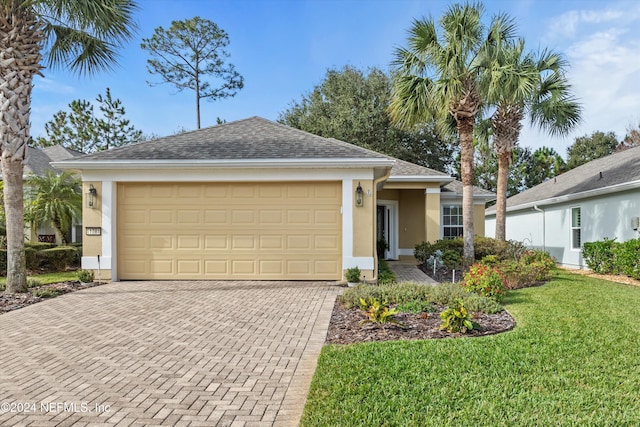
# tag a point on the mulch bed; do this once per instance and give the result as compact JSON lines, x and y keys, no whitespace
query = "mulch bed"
{"x":10,"y":302}
{"x":346,"y":326}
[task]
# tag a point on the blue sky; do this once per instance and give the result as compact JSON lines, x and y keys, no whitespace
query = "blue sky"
{"x":283,"y":48}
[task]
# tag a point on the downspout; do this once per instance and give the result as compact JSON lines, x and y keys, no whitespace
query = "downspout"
{"x":386,"y":176}
{"x":544,"y":231}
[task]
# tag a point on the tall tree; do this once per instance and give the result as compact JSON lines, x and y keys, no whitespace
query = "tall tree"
{"x":545,"y":163}
{"x":188,"y":52}
{"x":351,"y":105}
{"x":82,"y":130}
{"x":54,"y":199}
{"x":586,"y":148}
{"x":531,"y":86}
{"x":80,"y":35}
{"x":439,"y":77}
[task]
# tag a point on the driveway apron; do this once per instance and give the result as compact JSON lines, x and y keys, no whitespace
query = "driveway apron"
{"x":164,"y":353}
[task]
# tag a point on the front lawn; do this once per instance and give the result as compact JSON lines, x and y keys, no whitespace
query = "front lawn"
{"x":47,"y":278}
{"x":573,"y":359}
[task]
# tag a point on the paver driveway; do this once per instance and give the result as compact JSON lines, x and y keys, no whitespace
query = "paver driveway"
{"x":164,"y":353}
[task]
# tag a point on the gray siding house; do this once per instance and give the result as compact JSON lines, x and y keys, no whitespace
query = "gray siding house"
{"x":596,"y":200}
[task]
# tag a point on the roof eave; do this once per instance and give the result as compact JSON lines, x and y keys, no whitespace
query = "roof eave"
{"x":575,"y":196}
{"x":420,"y":178}
{"x":224,"y":163}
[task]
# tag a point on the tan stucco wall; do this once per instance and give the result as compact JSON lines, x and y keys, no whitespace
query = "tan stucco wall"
{"x":411,"y":218}
{"x":478,"y":220}
{"x":363,"y":221}
{"x":432,"y":214}
{"x":389,"y":195}
{"x":91,"y":245}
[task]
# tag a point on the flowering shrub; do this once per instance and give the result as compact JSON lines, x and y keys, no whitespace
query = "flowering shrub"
{"x":532,"y":256}
{"x":485,"y":281}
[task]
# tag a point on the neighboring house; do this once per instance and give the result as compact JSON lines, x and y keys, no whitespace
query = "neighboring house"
{"x":596,"y":200}
{"x":254,"y":199}
{"x":38,"y":162}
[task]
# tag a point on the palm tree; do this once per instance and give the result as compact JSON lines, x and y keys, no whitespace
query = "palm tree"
{"x":54,"y":199}
{"x":79,"y":35}
{"x":440,"y":78}
{"x":527,"y":86}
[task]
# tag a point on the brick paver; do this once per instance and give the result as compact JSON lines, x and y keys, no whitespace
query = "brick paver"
{"x":409,"y":272}
{"x":164,"y":353}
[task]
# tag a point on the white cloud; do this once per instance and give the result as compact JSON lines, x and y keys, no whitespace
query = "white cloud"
{"x":604,"y":73}
{"x":570,"y":23}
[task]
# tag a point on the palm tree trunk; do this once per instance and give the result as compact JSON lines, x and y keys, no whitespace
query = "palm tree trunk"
{"x":12,"y":170}
{"x":20,"y":44}
{"x":465,"y":131}
{"x":504,"y":161}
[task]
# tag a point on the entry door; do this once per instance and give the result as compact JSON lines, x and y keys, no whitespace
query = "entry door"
{"x":387,"y":227}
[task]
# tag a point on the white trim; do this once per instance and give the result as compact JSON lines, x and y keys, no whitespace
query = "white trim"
{"x":91,"y":263}
{"x":394,"y":233}
{"x":226,"y":175}
{"x":222,"y":163}
{"x":108,"y":208}
{"x":363,"y":263}
{"x":347,"y":222}
{"x":432,"y":191}
{"x":405,"y":252}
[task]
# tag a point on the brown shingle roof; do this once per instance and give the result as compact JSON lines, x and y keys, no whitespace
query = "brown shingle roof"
{"x":252,"y":138}
{"x":600,"y":174}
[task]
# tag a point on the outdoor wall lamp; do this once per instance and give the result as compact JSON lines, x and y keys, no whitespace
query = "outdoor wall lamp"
{"x":92,"y":196}
{"x":359,"y":196}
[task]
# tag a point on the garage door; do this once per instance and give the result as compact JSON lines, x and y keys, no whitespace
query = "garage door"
{"x":229,"y":231}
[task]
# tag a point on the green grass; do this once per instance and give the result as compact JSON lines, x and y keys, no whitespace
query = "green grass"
{"x":573,"y":359}
{"x":47,"y":278}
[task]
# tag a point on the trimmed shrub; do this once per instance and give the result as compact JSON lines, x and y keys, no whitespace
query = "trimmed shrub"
{"x":86,"y":276}
{"x":627,"y":258}
{"x":60,"y":258}
{"x":485,"y":281}
{"x":32,"y":257}
{"x":599,"y":256}
{"x":39,"y":246}
{"x":3,"y":262}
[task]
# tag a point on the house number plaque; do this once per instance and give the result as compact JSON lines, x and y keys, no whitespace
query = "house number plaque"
{"x":94,"y":231}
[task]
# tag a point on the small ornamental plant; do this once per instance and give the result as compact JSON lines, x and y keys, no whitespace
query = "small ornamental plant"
{"x":378,"y":312}
{"x":456,"y":318}
{"x":353,"y":275}
{"x":485,"y":281}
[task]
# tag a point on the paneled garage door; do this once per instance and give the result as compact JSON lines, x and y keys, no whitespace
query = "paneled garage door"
{"x":242,"y":231}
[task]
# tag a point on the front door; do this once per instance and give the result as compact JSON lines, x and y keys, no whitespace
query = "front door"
{"x":387,"y":227}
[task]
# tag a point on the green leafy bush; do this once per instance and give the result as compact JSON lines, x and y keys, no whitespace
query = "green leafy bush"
{"x":416,"y":307}
{"x":452,"y":259}
{"x":485,"y":281}
{"x":378,"y":312}
{"x":39,"y":246}
{"x":599,"y":256}
{"x":413,"y":295}
{"x":386,"y":276}
{"x":484,"y":246}
{"x":85,"y":276}
{"x":3,"y":262}
{"x":353,"y":275}
{"x":32,"y":258}
{"x":456,"y":318}
{"x":531,"y":256}
{"x":627,"y":258}
{"x":60,"y":258}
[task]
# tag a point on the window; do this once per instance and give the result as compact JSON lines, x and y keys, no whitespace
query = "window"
{"x":451,"y":222}
{"x":576,"y":238}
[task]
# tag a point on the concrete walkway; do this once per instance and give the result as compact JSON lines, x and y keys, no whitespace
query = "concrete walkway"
{"x":164,"y":353}
{"x":409,"y":272}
